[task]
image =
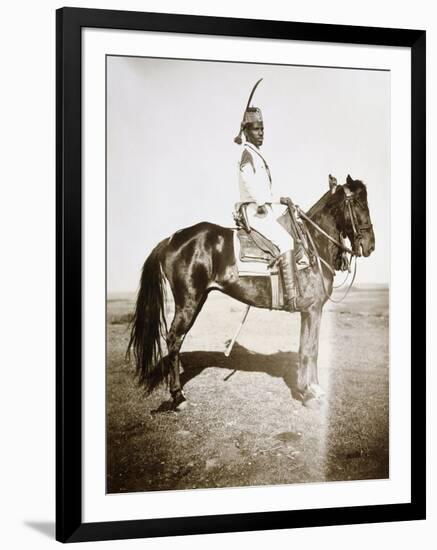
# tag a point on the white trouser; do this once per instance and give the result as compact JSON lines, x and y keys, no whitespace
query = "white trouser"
{"x":268,"y":226}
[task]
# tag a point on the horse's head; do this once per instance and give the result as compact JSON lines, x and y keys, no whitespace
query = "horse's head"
{"x":355,"y":216}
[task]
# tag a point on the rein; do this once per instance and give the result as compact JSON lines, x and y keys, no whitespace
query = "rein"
{"x":319,"y":260}
{"x":323,"y":232}
{"x":356,"y":228}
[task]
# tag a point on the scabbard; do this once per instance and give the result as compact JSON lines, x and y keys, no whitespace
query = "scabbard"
{"x":295,"y":229}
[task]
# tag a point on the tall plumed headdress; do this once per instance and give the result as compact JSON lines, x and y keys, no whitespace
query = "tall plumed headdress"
{"x":251,"y":114}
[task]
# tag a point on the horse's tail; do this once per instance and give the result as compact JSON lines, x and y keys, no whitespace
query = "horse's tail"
{"x":148,"y":324}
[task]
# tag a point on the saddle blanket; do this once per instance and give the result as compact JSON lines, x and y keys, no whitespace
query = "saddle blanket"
{"x":254,"y":253}
{"x":262,"y":265}
{"x":259,"y":261}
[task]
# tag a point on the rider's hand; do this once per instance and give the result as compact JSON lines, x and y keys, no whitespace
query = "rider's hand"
{"x":261,"y":210}
{"x":284,"y":200}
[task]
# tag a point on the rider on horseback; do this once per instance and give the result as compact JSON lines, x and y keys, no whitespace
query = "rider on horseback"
{"x":255,"y":185}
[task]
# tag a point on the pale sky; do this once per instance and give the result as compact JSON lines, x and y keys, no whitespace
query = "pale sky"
{"x":172,"y":162}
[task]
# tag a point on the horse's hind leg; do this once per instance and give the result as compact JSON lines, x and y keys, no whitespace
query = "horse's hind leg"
{"x":185,"y":315}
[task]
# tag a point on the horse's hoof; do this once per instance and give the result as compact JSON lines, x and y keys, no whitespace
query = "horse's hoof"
{"x":179,"y":401}
{"x":316,"y":390}
{"x":312,"y":403}
{"x":313,"y":397}
{"x":182,"y":406}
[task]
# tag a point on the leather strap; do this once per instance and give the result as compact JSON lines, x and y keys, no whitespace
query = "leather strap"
{"x":323,"y":232}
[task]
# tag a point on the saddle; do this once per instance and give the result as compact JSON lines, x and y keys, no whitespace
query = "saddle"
{"x":254,"y":247}
{"x":257,"y":255}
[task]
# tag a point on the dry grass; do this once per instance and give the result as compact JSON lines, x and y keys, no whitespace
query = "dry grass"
{"x":249,"y":430}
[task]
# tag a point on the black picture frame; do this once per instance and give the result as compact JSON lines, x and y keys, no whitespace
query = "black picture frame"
{"x":69,"y":524}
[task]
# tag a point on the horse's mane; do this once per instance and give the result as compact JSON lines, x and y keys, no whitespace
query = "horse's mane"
{"x":354,"y":186}
{"x":319,"y":205}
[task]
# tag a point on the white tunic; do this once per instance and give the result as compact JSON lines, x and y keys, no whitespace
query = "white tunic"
{"x":254,"y":177}
{"x":255,"y":184}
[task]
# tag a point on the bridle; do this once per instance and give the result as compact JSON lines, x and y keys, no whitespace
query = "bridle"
{"x":350,"y":202}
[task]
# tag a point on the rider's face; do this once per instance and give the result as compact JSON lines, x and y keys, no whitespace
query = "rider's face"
{"x":255,"y":133}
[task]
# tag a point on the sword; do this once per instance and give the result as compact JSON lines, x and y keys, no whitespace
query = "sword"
{"x":251,"y":95}
{"x":232,"y":342}
{"x":238,"y":138}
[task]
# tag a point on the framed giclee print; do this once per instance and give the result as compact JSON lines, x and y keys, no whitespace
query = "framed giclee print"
{"x":241,"y":290}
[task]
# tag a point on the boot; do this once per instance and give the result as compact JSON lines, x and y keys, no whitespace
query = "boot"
{"x":293,"y":302}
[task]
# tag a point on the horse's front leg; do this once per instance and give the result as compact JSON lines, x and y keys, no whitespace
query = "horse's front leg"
{"x":307,"y":375}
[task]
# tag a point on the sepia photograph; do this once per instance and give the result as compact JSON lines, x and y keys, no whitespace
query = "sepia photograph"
{"x":247,"y":274}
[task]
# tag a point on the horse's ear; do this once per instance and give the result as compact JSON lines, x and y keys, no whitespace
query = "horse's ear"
{"x":332,"y":183}
{"x":349,"y":180}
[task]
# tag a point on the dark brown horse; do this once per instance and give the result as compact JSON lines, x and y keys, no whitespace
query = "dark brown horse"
{"x":201,"y":258}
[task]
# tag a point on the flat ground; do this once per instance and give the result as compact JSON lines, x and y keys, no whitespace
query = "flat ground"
{"x":248,"y":430}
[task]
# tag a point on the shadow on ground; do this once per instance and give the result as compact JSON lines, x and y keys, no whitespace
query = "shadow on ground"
{"x":278,"y":365}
